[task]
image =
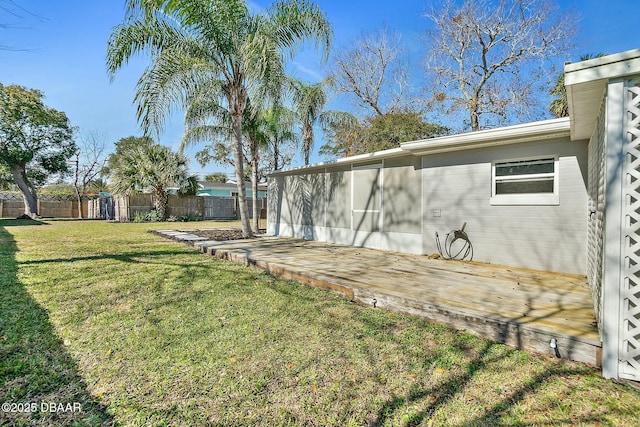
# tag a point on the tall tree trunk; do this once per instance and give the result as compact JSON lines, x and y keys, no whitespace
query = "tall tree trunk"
{"x":237,"y":98}
{"x":307,"y":140}
{"x":276,"y":154}
{"x":79,"y":199}
{"x":160,"y":202}
{"x":474,"y":115}
{"x":254,"y":185}
{"x":239,"y":168}
{"x":28,"y":192}
{"x":76,"y":184}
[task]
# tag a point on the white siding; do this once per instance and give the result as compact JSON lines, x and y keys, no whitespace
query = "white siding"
{"x":319,"y":205}
{"x":457,"y":187}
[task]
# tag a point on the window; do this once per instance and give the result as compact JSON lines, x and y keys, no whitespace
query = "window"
{"x":525,"y":182}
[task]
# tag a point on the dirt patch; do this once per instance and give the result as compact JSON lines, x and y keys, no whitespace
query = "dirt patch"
{"x":220,"y":234}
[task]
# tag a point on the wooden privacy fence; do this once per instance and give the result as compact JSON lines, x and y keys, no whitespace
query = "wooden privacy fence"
{"x":125,"y":208}
{"x":49,"y":206}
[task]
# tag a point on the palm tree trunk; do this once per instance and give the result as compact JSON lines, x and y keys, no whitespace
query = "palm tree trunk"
{"x":276,"y":154}
{"x":28,"y":192}
{"x":307,"y":136}
{"x":237,"y":98}
{"x":254,"y":186}
{"x":239,"y":169}
{"x":160,"y":202}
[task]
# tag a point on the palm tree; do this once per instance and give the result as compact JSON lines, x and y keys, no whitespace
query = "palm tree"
{"x":207,"y":120}
{"x":279,"y":131}
{"x":152,"y":166}
{"x":309,"y":101}
{"x":215,"y":43}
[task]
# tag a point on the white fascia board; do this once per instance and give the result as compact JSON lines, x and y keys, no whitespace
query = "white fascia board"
{"x":359,"y":159}
{"x":586,"y":84}
{"x":605,"y":67}
{"x":546,"y":129}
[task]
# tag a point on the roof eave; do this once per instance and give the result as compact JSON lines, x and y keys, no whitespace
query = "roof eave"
{"x":547,"y":129}
{"x":586,"y":83}
{"x":359,"y":159}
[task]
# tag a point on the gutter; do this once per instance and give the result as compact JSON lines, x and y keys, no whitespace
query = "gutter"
{"x":536,"y":131}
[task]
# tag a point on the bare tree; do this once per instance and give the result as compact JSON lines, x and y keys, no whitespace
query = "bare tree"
{"x":371,"y":70}
{"x":88,"y":162}
{"x":488,"y":56}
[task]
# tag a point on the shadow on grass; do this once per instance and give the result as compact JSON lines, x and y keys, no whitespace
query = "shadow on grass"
{"x":20,"y":222}
{"x":431,"y":399}
{"x":35,"y":367}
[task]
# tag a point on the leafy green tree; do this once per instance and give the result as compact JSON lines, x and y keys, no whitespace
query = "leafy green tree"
{"x":206,"y":119}
{"x":391,"y":129}
{"x":153,"y":167}
{"x":342,"y":131}
{"x":349,"y":136}
{"x":98,"y":185}
{"x":35,"y":141}
{"x":122,"y":147}
{"x":209,"y":43}
{"x":253,"y":125}
{"x":6,"y":180}
{"x":280,"y":135}
{"x":308,"y":101}
{"x":58,"y":189}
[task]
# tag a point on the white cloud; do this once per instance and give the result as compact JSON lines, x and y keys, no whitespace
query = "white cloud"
{"x":315,"y":75}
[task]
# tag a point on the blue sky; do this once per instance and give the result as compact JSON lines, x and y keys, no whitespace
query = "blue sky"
{"x":58,"y":47}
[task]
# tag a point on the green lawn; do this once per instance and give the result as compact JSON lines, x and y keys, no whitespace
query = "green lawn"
{"x":143,"y":331}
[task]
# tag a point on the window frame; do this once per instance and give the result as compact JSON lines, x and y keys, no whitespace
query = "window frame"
{"x":549,"y":199}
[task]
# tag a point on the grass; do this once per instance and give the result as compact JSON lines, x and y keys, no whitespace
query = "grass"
{"x":142,"y":331}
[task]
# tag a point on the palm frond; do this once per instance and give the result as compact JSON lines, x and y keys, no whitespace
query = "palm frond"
{"x":338,"y":119}
{"x":297,"y":21}
{"x":203,"y":133}
{"x":138,"y":36}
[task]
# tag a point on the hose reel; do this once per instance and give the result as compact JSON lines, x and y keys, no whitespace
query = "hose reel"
{"x":447,"y":250}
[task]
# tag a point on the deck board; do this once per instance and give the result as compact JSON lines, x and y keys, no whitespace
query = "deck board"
{"x":520,"y":307}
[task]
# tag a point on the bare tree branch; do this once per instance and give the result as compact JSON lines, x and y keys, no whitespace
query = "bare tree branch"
{"x":88,"y":162}
{"x":489,"y":57}
{"x":372,"y":72}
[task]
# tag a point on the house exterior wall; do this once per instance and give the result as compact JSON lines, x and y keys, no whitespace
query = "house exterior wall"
{"x":375,"y":205}
{"x":399,"y":203}
{"x":549,"y":237}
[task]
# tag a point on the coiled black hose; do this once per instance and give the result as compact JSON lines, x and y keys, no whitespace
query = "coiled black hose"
{"x":465,"y":251}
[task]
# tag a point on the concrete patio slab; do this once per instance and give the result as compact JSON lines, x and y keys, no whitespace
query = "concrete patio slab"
{"x":521,"y":308}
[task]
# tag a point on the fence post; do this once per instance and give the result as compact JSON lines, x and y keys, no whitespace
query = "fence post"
{"x":1,"y":205}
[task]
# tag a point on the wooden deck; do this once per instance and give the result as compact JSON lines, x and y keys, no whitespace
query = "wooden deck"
{"x":519,"y":307}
